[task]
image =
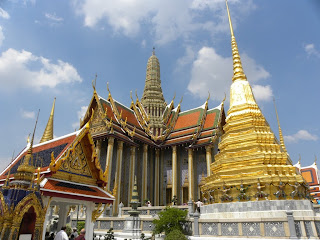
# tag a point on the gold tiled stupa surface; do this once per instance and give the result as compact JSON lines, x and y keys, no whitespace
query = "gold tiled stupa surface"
{"x":249,"y":153}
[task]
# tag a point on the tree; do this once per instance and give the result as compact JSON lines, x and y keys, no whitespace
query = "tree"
{"x":170,"y":219}
{"x":176,"y":235}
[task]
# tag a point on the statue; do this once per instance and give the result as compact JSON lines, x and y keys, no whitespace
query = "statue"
{"x":243,"y":195}
{"x":211,"y":198}
{"x":295,"y":192}
{"x":225,"y":196}
{"x":260,"y":193}
{"x":280,"y":192}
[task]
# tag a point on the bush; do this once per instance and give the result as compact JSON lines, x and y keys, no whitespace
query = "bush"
{"x":81,"y":224}
{"x":175,"y":235}
{"x":68,"y":230}
{"x":170,"y":219}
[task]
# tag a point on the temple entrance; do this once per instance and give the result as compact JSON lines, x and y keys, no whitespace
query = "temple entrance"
{"x":28,"y":222}
{"x":185,"y":195}
{"x":168,"y":196}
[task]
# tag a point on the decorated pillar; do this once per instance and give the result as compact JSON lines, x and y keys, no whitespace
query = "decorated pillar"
{"x":48,"y":214}
{"x":156,"y":178}
{"x":209,"y":159}
{"x":117,"y":185}
{"x":89,"y":225}
{"x":132,"y":172}
{"x":174,"y":172}
{"x":63,"y":211}
{"x":109,"y":161}
{"x":145,"y":173}
{"x":190,"y":174}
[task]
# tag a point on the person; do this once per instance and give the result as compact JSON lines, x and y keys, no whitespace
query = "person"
{"x":74,"y":234}
{"x":199,"y":204}
{"x":81,"y":236}
{"x":62,"y":235}
{"x":149,"y":204}
{"x":46,"y":237}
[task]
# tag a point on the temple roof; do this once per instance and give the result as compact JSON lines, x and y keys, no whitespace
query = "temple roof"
{"x":196,"y":126}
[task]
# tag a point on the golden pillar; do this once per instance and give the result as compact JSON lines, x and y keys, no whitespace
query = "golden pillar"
{"x":157,"y":178}
{"x":190,"y":174}
{"x":174,"y":172}
{"x":131,"y":173}
{"x":209,"y":159}
{"x":118,"y":176}
{"x":109,"y":160}
{"x":145,"y":173}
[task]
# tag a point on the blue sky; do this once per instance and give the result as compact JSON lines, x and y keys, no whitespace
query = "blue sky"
{"x":54,"y":49}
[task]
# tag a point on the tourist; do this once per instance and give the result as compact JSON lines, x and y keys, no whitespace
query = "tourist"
{"x":51,"y":237}
{"x":74,"y":234}
{"x":149,"y":204}
{"x":62,"y":235}
{"x":199,"y":204}
{"x":81,"y":236}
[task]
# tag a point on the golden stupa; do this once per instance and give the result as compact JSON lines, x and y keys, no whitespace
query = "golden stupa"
{"x":252,"y":164}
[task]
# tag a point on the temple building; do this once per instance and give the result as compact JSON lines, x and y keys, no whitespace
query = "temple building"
{"x":62,"y":173}
{"x":169,"y":150}
{"x":311,"y":175}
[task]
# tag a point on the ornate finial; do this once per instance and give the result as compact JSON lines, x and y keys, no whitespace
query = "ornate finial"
{"x":48,"y":132}
{"x":315,"y":159}
{"x":137,"y":94}
{"x":225,"y":95}
{"x":28,"y":139}
{"x":237,"y":65}
{"x":153,"y":51}
{"x":108,"y":87}
{"x":280,"y":131}
{"x":174,"y":96}
{"x":94,"y":82}
{"x":299,"y":161}
{"x":208,"y":96}
{"x":181,"y":100}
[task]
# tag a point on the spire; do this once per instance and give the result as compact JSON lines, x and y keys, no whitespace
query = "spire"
{"x":48,"y":132}
{"x":280,"y":131}
{"x":152,"y":98}
{"x":237,"y":65}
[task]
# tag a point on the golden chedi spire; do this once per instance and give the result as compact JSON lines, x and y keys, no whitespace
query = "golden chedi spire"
{"x":48,"y":132}
{"x":152,"y":98}
{"x":248,"y":148}
{"x":280,"y":131}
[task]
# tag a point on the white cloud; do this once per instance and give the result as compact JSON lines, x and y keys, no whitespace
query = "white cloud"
{"x":187,"y":58}
{"x":311,"y":50}
{"x":262,"y":93}
{"x":143,"y":43}
{"x":213,"y":72}
{"x":82,"y":112}
{"x":25,"y":70}
{"x":166,"y":20}
{"x":26,"y":114}
{"x":4,"y":14}
{"x":53,"y":17}
{"x":301,"y":135}
{"x":80,"y":115}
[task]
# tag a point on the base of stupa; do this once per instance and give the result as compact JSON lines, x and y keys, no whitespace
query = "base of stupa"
{"x":268,"y":219}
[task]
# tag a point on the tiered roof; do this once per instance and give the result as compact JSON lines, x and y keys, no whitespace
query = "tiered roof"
{"x":68,"y":167}
{"x":195,"y":127}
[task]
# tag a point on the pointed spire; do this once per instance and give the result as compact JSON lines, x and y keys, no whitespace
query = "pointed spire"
{"x":237,"y":65}
{"x":280,"y":131}
{"x":48,"y":132}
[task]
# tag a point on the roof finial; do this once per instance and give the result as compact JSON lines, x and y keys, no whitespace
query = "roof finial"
{"x":94,"y":82}
{"x":299,"y":161}
{"x":315,"y":159}
{"x":237,"y":65}
{"x":280,"y":131}
{"x":153,"y":51}
{"x":48,"y":132}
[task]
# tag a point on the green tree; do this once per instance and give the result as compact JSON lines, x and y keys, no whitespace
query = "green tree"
{"x":81,"y":224}
{"x":176,"y":235}
{"x":170,"y":219}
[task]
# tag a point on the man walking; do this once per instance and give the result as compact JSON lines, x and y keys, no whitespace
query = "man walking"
{"x":62,"y":235}
{"x":81,"y":236}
